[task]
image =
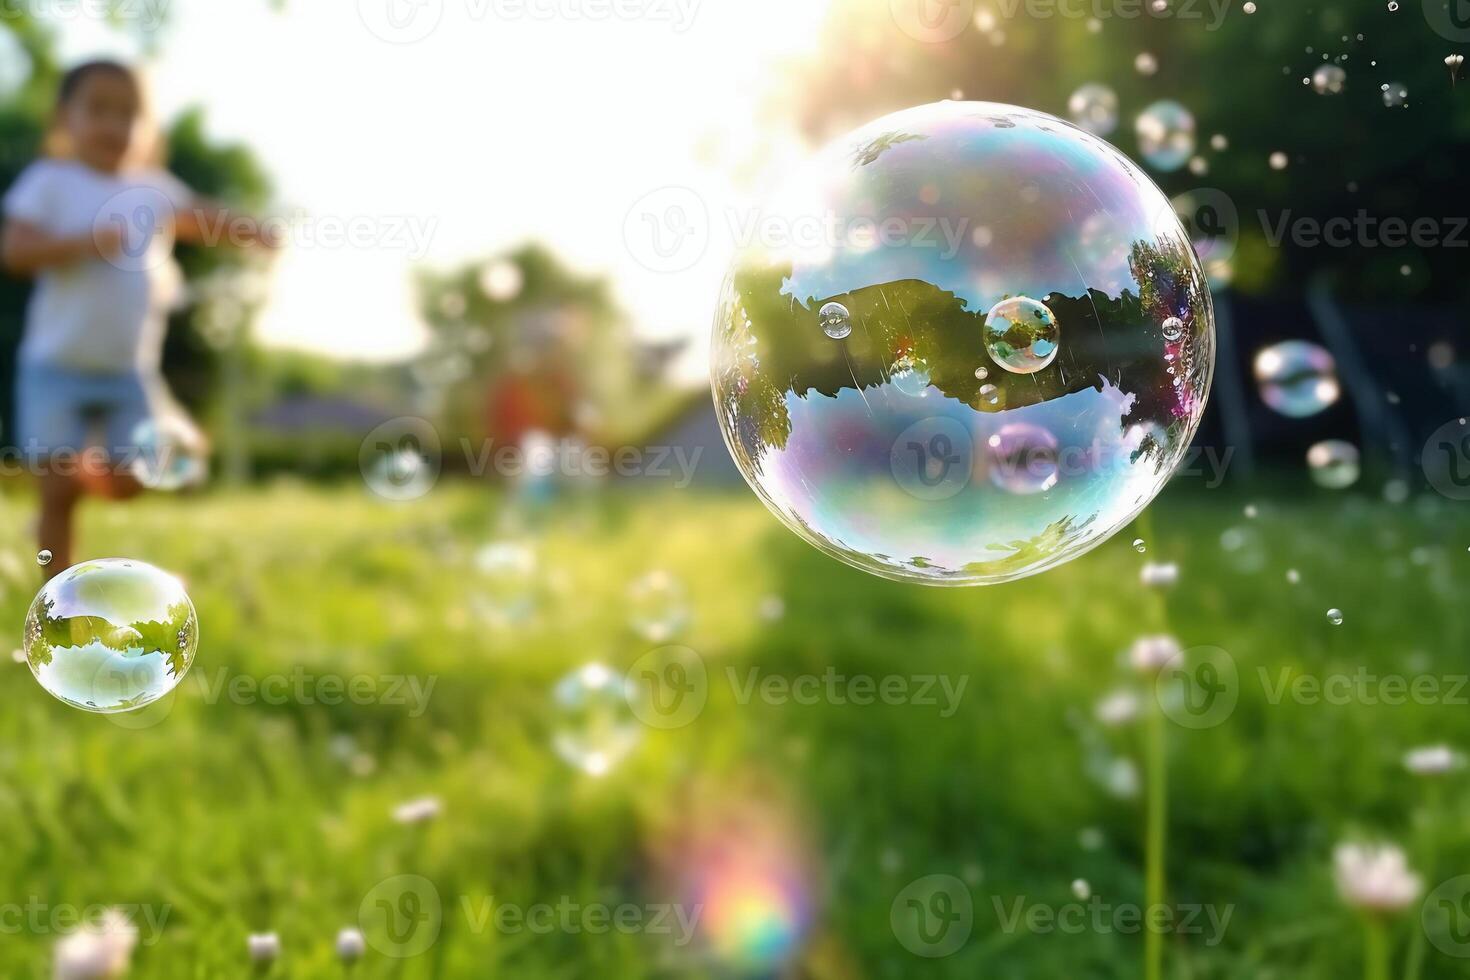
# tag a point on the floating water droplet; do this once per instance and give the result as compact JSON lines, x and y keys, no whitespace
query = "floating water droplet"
{"x":1334,"y":464}
{"x":111,"y":635}
{"x":1329,"y":80}
{"x":1165,"y":132}
{"x":1022,"y":335}
{"x":43,"y":557}
{"x":595,"y":724}
{"x":1297,"y":378}
{"x":1139,"y":545}
{"x":1094,"y":107}
{"x":836,"y":321}
{"x":1334,"y":616}
{"x":1173,"y":329}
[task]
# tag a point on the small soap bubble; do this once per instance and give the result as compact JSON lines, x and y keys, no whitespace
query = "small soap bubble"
{"x":836,"y":321}
{"x":1165,"y":132}
{"x":43,"y":557}
{"x":1329,"y":80}
{"x":111,"y":635}
{"x":1334,"y":464}
{"x":1146,"y":64}
{"x":1334,"y":616}
{"x":595,"y":724}
{"x":1094,"y":107}
{"x":1081,"y":890}
{"x":1249,"y":7}
{"x":1139,"y":545}
{"x":657,"y":608}
{"x":1022,"y":335}
{"x":1297,"y":378}
{"x":1279,"y":160}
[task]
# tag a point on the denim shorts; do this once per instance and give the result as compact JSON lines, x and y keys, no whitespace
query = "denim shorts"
{"x":58,"y":410}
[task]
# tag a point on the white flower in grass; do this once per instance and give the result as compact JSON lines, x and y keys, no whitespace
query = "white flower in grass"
{"x":1374,"y":877}
{"x":98,"y":950}
{"x":1151,"y":654}
{"x":1433,"y":760}
{"x":1159,"y":575}
{"x":1116,"y":709}
{"x":264,"y":947}
{"x":350,"y":944}
{"x":421,"y":810}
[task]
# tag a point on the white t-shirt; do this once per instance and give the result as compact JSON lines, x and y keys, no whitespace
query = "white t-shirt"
{"x":101,"y":315}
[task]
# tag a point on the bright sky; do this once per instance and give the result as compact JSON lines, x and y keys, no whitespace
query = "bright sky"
{"x":483,"y":123}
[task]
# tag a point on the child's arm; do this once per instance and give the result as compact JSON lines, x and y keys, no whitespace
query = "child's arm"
{"x":209,"y":224}
{"x":26,"y":249}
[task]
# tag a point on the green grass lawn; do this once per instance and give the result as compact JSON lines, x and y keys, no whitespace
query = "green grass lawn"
{"x":230,"y":813}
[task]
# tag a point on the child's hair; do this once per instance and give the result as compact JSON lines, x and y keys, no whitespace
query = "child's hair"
{"x":150,"y":145}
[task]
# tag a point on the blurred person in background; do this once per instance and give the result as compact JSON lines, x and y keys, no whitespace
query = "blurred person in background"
{"x":94,"y":221}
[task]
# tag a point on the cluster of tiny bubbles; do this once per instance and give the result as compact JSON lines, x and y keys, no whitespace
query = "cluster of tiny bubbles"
{"x":504,"y":586}
{"x":169,"y":453}
{"x":836,"y":321}
{"x":1165,"y":133}
{"x":43,"y":557}
{"x":1329,"y":80}
{"x":1094,"y":107}
{"x":1334,"y":616}
{"x":1022,"y":335}
{"x":658,"y":609}
{"x":595,"y":726}
{"x":1008,"y":403}
{"x":1395,"y":94}
{"x":1297,"y":378}
{"x":1334,"y":464}
{"x":111,"y":635}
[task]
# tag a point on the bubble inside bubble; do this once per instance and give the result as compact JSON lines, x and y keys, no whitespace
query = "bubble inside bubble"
{"x":1173,"y":329}
{"x":1037,"y":466}
{"x":595,"y":724}
{"x":1022,"y":335}
{"x":1334,"y":464}
{"x":1165,"y":133}
{"x":111,"y":635}
{"x":1094,"y":107}
{"x":1297,"y":378}
{"x":836,"y":321}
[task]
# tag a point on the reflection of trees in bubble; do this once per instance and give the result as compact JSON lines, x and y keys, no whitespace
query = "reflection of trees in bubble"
{"x":870,"y":152}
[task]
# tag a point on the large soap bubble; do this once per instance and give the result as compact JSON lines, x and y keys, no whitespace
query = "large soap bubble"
{"x":919,"y":225}
{"x":111,"y":635}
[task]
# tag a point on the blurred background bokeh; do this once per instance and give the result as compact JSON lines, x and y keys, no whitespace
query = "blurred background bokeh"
{"x":510,"y":223}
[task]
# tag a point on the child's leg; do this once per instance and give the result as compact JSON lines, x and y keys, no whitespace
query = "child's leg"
{"x":59,"y":495}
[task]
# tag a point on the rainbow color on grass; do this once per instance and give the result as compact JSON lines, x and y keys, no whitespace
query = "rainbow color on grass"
{"x":754,"y":917}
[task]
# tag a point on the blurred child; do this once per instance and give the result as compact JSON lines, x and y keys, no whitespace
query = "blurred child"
{"x":94,"y":222}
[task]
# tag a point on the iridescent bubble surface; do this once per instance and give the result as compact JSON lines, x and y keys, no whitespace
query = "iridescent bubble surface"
{"x":1297,"y":378}
{"x":992,"y":475}
{"x":111,"y":635}
{"x":169,"y":453}
{"x":1165,"y":133}
{"x":1334,"y":464}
